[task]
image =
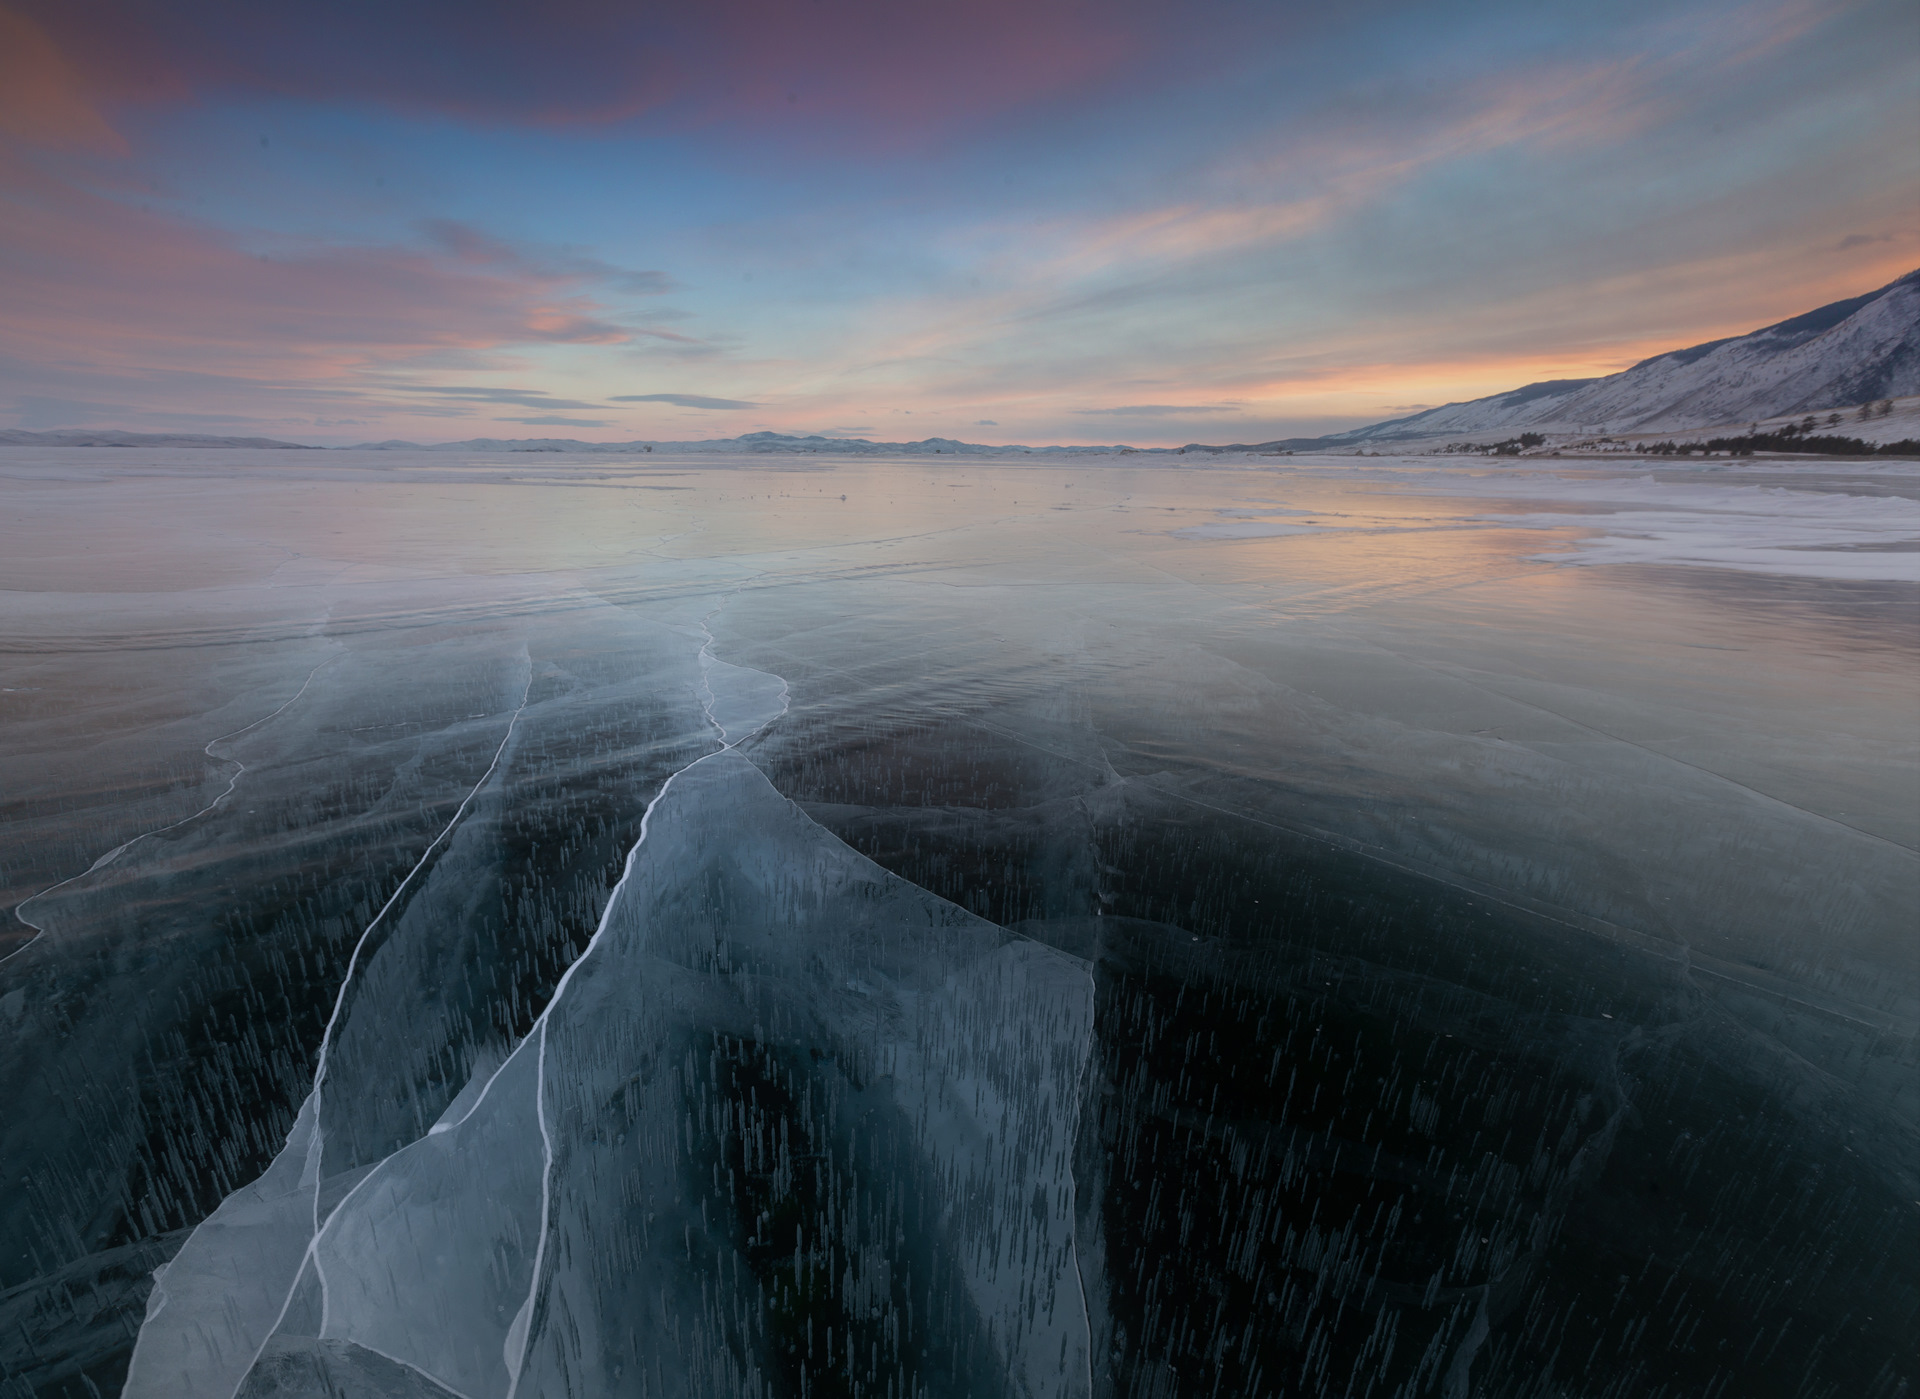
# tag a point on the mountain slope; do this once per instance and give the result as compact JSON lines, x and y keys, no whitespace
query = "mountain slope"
{"x":1845,"y":353}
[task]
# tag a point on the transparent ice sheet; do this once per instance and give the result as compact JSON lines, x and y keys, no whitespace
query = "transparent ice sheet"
{"x":567,"y":1230}
{"x":1503,"y":975}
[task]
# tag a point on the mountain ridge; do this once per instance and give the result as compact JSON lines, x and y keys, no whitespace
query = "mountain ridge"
{"x":763,"y":442}
{"x":1838,"y":356}
{"x":114,"y":437}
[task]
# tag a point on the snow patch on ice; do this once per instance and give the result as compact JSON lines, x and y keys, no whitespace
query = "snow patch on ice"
{"x":1748,"y":529}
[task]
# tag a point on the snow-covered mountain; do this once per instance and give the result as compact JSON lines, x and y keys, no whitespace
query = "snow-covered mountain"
{"x":1843,"y":354}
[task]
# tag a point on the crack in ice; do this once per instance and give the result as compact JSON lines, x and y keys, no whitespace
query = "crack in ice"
{"x":519,"y":1334}
{"x":315,"y":1144}
{"x":113,"y":854}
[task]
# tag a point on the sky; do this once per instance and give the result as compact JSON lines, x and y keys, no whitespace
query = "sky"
{"x":1034,"y":221}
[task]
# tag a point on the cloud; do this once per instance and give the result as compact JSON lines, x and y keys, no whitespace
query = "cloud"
{"x":43,"y":98}
{"x":1861,"y":240}
{"x":683,"y":400}
{"x":985,"y":422}
{"x":525,"y":398}
{"x":562,"y":326}
{"x":109,"y":289}
{"x":1406,"y":408}
{"x":1157,"y":410}
{"x":1264,"y":243}
{"x":868,"y":67}
{"x":553,"y":421}
{"x":539,"y":261}
{"x":690,"y":344}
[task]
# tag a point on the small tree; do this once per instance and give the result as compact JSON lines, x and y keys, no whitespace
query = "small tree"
{"x":1866,"y":411}
{"x":1886,"y":406}
{"x":1833,"y":420}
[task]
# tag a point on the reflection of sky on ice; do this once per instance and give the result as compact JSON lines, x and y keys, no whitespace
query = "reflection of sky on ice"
{"x":657,"y":916}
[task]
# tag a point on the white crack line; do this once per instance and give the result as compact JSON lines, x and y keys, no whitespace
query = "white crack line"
{"x":108,"y":858}
{"x":520,"y":1333}
{"x":326,"y":1039}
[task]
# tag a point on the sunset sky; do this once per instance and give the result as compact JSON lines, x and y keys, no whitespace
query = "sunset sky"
{"x":1007,"y":221}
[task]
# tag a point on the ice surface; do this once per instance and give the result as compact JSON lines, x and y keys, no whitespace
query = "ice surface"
{"x":931,"y":1062}
{"x":233,"y":780}
{"x":216,"y":1302}
{"x":741,"y":701}
{"x":429,"y":1259}
{"x":422,"y":1005}
{"x":1797,"y":528}
{"x":936,"y":1061}
{"x":196,"y":1340}
{"x":1245,"y":529}
{"x":1751,"y":529}
{"x":644,"y":928}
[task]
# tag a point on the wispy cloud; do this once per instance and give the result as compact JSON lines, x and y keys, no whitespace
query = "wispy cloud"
{"x":525,"y":398}
{"x":540,"y":262}
{"x":1156,"y":410}
{"x":869,"y":68}
{"x":553,"y":421}
{"x":682,"y":400}
{"x":130,"y":292}
{"x":44,"y":99}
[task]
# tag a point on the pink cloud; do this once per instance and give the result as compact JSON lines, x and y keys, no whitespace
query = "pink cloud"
{"x":872,"y":66}
{"x":95,"y":281}
{"x":43,"y":98}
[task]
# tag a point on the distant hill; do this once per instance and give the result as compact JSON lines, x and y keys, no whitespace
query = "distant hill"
{"x":107,"y":437}
{"x":1837,"y":357}
{"x":770,"y":443}
{"x":762,"y":442}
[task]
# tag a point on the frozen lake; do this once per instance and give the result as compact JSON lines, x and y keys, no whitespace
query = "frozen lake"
{"x":539,"y":925}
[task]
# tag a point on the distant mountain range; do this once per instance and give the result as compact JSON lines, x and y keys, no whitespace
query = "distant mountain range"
{"x":1843,"y":354}
{"x":771,"y":443}
{"x":109,"y":437}
{"x":762,"y":442}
